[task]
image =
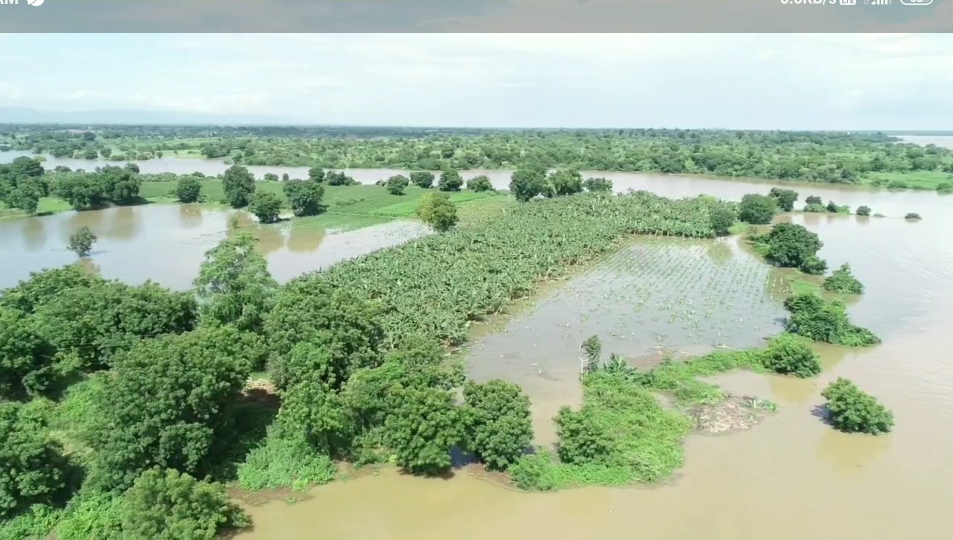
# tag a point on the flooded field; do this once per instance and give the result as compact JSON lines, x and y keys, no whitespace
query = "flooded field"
{"x":167,"y":243}
{"x":791,"y":477}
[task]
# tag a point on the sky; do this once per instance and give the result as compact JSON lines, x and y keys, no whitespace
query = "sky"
{"x":742,"y":81}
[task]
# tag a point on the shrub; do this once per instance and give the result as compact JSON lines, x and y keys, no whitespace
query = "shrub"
{"x":813,"y":199}
{"x":863,"y":210}
{"x":843,"y":281}
{"x":565,"y":182}
{"x":597,"y":185}
{"x":266,"y":206}
{"x":338,"y":178}
{"x":480,"y":183}
{"x":945,"y":187}
{"x":854,"y":411}
{"x":422,"y":427}
{"x":397,"y":184}
{"x":912,"y":216}
{"x":168,"y":505}
{"x":815,"y":208}
{"x":832,"y":207}
{"x":721,"y":220}
{"x":785,"y":198}
{"x":422,"y":179}
{"x":814,"y":266}
{"x":304,"y":196}
{"x":438,"y":211}
{"x":284,"y":462}
{"x":528,"y":182}
{"x":188,"y":189}
{"x":450,"y":181}
{"x":32,"y":463}
{"x":238,"y":185}
{"x":757,"y":209}
{"x":814,"y":318}
{"x":497,"y":420}
{"x":789,"y":354}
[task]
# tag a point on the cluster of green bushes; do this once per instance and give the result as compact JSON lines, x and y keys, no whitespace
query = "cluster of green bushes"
{"x":843,"y":281}
{"x":816,"y":205}
{"x":826,"y":321}
{"x":533,"y":181}
{"x":790,"y":245}
{"x":852,"y":410}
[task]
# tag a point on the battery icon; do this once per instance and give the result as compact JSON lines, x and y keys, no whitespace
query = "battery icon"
{"x":916,"y":2}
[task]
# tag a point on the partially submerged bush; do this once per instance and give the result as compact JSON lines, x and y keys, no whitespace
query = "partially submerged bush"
{"x":854,"y":411}
{"x":819,"y":320}
{"x":757,"y":209}
{"x":785,"y":198}
{"x":597,"y":185}
{"x":480,"y":184}
{"x":863,"y":210}
{"x":912,"y":216}
{"x":793,"y":246}
{"x":843,"y":281}
{"x":789,"y":354}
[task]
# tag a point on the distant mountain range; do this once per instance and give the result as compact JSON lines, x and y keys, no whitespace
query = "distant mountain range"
{"x":24,"y":115}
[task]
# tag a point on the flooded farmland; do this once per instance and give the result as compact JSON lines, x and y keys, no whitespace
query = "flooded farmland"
{"x":791,"y":477}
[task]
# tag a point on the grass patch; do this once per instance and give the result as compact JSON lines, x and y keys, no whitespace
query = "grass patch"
{"x":284,"y":462}
{"x":920,"y":180}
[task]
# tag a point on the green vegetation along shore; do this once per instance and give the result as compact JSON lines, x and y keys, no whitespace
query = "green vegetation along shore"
{"x":127,"y":410}
{"x":844,"y":158}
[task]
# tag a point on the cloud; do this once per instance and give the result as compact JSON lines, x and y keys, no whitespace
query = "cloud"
{"x":798,"y":81}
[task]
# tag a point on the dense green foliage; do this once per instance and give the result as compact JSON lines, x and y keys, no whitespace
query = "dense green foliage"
{"x":168,"y":505}
{"x":438,"y":211}
{"x":843,"y":281}
{"x":785,"y":198}
{"x":803,"y":156}
{"x":397,"y":184}
{"x":597,"y":185}
{"x":22,"y":184}
{"x":234,"y":286}
{"x":793,"y":246}
{"x":913,"y":216}
{"x":304,"y":196}
{"x":855,"y":411}
{"x":450,"y":180}
{"x":792,"y":354}
{"x":81,"y":241}
{"x":564,"y":182}
{"x":238,"y":185}
{"x":422,"y":427}
{"x":104,"y":186}
{"x":422,"y":179}
{"x":480,"y":183}
{"x":528,"y":182}
{"x":497,"y":419}
{"x":863,"y":210}
{"x":168,"y":403}
{"x":817,"y":319}
{"x":188,"y":190}
{"x":722,"y":219}
{"x":26,"y":358}
{"x":266,"y":206}
{"x":32,"y":467}
{"x":757,"y":209}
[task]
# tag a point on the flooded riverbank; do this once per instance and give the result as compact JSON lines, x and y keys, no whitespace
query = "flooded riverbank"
{"x":790,"y":477}
{"x":167,"y":243}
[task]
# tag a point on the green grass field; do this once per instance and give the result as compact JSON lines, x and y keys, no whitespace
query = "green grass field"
{"x":923,"y":180}
{"x":347,"y":207}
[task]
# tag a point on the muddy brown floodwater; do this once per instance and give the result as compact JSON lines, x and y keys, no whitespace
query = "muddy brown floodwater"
{"x":167,"y":243}
{"x":790,"y":477}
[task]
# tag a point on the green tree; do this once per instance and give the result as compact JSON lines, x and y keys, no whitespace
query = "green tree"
{"x":234,"y":286}
{"x":310,"y":409}
{"x":564,"y":182}
{"x":785,"y":198}
{"x":169,"y":403}
{"x":271,"y":177}
{"x":188,"y":189}
{"x":854,"y":411}
{"x":528,"y":182}
{"x":421,"y":428}
{"x":757,"y":209}
{"x":814,"y":266}
{"x":480,"y":184}
{"x":438,"y":211}
{"x":316,"y":175}
{"x":582,"y":438}
{"x":81,"y":242}
{"x":450,"y":180}
{"x":314,"y":328}
{"x":92,"y":324}
{"x":721,"y":220}
{"x":497,"y":419}
{"x":238,"y":185}
{"x":169,"y":505}
{"x":598,"y":185}
{"x":45,"y":286}
{"x":266,"y":206}
{"x":26,"y":357}
{"x":843,"y":281}
{"x":304,"y":196}
{"x":791,"y":354}
{"x":397,"y":184}
{"x":863,"y":210}
{"x":422,"y":179}
{"x":912,"y":216}
{"x":813,"y":199}
{"x":34,"y":469}
{"x":790,"y":245}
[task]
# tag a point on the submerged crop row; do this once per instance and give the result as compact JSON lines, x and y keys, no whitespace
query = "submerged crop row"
{"x":438,"y":285}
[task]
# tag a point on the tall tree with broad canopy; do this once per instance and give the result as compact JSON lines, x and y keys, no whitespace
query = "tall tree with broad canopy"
{"x":304,"y":196}
{"x":234,"y":285}
{"x":421,"y":428}
{"x":238,"y":185}
{"x":32,"y":467}
{"x":169,"y":402}
{"x":497,"y":420}
{"x":26,"y":357}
